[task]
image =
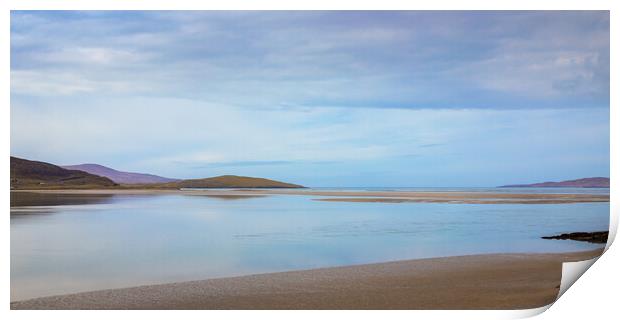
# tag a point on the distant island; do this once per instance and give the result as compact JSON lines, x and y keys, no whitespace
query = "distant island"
{"x":229,"y":181}
{"x":27,"y":174}
{"x":120,"y":177}
{"x":595,"y":182}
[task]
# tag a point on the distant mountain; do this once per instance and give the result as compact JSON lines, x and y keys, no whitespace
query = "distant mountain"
{"x":229,"y":181}
{"x":596,"y":182}
{"x":119,"y":176}
{"x":26,"y":174}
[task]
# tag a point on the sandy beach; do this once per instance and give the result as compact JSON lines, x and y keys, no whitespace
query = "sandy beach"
{"x":495,"y":281}
{"x":363,"y":196}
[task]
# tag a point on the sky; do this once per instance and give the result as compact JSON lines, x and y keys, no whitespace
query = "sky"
{"x":319,"y":98}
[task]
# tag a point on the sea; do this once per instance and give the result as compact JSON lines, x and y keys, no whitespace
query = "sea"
{"x":69,"y":243}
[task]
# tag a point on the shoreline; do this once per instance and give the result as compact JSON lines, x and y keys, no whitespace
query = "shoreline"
{"x":488,"y":281}
{"x":457,"y":197}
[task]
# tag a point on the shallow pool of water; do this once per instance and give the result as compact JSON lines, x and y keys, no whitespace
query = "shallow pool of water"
{"x":70,"y":243}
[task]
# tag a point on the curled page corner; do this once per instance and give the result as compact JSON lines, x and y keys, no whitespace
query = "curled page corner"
{"x":613,"y":228}
{"x":528,"y":313}
{"x":571,"y":271}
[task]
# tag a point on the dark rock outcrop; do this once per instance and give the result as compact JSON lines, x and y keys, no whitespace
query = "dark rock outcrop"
{"x":593,"y":237}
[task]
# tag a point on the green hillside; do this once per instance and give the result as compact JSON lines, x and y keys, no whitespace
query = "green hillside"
{"x":229,"y":181}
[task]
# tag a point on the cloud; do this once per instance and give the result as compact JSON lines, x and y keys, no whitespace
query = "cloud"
{"x":186,"y":138}
{"x":89,"y":56}
{"x":42,"y":84}
{"x":61,"y":83}
{"x":431,"y":145}
{"x":247,"y":163}
{"x":318,"y":98}
{"x":306,"y":59}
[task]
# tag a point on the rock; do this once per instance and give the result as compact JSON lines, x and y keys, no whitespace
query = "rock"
{"x":592,"y":237}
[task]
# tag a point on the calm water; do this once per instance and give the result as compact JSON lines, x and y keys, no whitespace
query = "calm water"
{"x":70,"y":243}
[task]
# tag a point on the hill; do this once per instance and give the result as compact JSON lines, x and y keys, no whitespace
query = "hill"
{"x":26,"y":174}
{"x":230,"y":181}
{"x":596,"y":182}
{"x":119,"y":176}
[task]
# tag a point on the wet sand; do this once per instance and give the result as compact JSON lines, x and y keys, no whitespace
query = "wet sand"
{"x":495,"y":281}
{"x":471,"y":201}
{"x":363,"y":196}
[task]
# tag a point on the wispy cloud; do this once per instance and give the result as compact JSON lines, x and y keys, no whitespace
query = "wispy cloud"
{"x":431,"y":145}
{"x":246,"y":163}
{"x":345,"y":59}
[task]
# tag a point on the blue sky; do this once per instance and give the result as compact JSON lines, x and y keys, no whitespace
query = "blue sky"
{"x":317,"y":98}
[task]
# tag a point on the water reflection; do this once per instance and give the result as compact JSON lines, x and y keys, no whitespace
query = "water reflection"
{"x":102,"y":241}
{"x":33,"y":199}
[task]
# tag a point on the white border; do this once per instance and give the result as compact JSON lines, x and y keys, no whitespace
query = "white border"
{"x":307,"y":5}
{"x":580,"y":301}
